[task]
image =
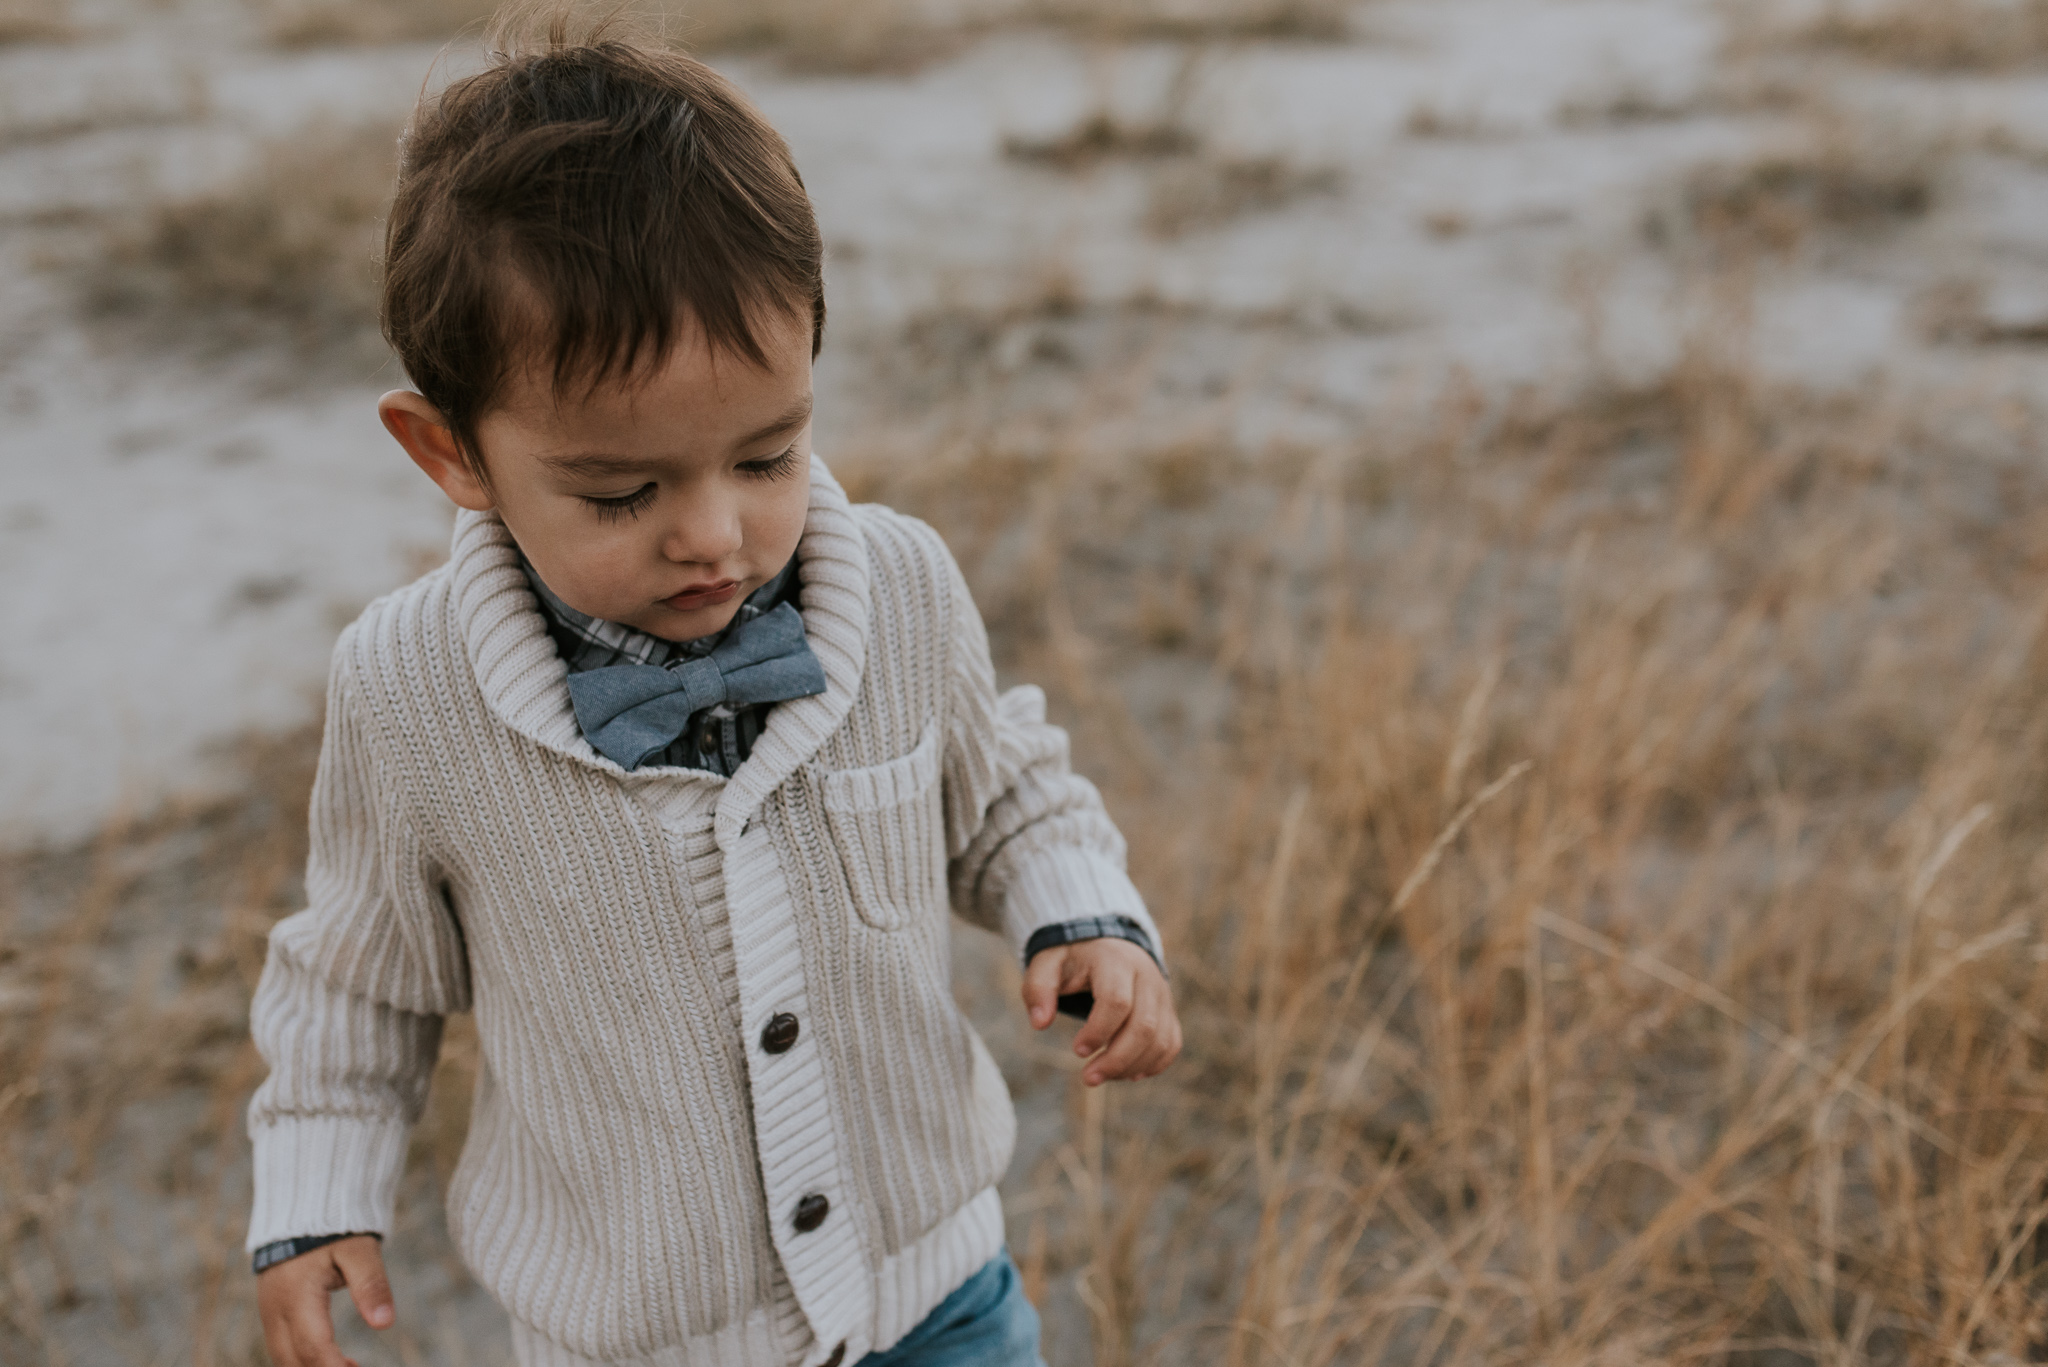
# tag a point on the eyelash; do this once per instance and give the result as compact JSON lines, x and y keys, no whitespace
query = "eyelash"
{"x":776,"y":467}
{"x":613,"y":509}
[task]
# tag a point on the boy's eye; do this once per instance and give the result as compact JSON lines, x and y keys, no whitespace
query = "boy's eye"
{"x":774,"y":467}
{"x":625,"y":505}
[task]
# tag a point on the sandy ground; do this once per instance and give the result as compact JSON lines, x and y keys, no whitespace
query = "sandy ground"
{"x":1492,"y":186}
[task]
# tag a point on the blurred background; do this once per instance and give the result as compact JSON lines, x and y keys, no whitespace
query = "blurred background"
{"x":1534,"y":512}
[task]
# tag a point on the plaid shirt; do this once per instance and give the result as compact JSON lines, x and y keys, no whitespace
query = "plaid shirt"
{"x":717,"y":739}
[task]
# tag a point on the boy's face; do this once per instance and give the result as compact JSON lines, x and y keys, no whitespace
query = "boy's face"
{"x":659,"y":502}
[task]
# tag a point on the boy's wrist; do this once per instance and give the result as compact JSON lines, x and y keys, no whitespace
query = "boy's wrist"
{"x":284,"y":1250}
{"x":1091,"y":928}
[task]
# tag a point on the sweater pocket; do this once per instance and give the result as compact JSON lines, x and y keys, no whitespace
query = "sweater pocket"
{"x":890,"y":830}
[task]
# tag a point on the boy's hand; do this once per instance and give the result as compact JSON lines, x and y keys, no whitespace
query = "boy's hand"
{"x":292,"y":1299}
{"x":1133,"y":1031}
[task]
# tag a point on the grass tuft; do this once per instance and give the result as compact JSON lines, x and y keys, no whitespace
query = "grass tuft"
{"x":1939,"y":35}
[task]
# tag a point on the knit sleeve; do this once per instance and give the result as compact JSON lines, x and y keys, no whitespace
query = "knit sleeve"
{"x":348,"y":1011}
{"x":1029,"y":844}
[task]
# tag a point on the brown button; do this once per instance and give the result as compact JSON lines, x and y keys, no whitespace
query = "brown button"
{"x":811,"y":1212}
{"x":838,"y":1356}
{"x":707,"y":738}
{"x":779,"y":1033}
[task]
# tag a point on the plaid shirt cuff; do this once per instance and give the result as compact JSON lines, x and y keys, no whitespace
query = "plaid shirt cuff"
{"x":283,"y":1250}
{"x":1091,"y":928}
{"x":1080,"y":1004}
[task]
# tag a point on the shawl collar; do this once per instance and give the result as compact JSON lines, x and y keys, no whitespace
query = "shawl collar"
{"x":524,"y":683}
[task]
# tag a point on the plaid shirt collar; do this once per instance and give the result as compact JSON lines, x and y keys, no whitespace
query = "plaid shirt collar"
{"x":586,"y":642}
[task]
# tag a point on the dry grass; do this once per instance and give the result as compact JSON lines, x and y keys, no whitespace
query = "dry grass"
{"x":35,"y":21}
{"x":1841,"y":183}
{"x":1956,"y":312}
{"x":1608,"y":916}
{"x":1204,"y":192}
{"x":1199,"y":20}
{"x":841,"y":35}
{"x":322,"y":23}
{"x":1598,"y":841}
{"x":286,"y":253}
{"x":1102,"y":136}
{"x":1938,"y":35}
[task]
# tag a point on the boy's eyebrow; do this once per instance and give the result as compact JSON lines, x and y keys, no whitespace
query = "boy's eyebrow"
{"x":593,"y":465}
{"x":792,"y":418}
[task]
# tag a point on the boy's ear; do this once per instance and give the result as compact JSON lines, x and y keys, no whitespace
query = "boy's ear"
{"x":418,"y":426}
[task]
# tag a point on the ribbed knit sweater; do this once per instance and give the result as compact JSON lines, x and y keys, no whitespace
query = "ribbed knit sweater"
{"x":637,"y":1152}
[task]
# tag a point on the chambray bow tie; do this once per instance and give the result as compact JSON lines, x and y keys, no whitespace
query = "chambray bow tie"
{"x":629,"y":712}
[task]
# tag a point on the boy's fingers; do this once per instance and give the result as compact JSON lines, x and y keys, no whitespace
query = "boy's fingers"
{"x":1042,"y":985}
{"x":1113,"y":997}
{"x":310,"y":1331}
{"x":362,"y":1265}
{"x":1126,"y":1052}
{"x":1147,"y":1042}
{"x":1166,"y":1039}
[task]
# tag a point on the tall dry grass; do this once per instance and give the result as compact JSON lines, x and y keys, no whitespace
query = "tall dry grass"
{"x":1607,"y":913}
{"x":1599,"y":840}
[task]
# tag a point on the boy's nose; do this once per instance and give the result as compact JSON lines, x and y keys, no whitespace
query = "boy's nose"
{"x":706,"y":531}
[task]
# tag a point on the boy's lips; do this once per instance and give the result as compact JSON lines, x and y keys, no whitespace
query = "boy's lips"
{"x":703,"y":595}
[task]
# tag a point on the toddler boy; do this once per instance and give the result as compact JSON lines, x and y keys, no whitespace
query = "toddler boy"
{"x":670,"y":776}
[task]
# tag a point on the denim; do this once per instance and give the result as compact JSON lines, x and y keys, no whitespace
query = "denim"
{"x":986,"y":1323}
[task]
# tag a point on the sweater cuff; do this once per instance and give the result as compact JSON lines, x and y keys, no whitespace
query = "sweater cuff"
{"x":1053,"y":886}
{"x":325,"y":1175}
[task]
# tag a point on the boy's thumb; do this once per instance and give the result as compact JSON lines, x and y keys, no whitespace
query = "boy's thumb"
{"x":362,"y":1265}
{"x":1042,"y":986}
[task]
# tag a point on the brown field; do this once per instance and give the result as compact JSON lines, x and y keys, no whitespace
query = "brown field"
{"x":1599,"y":842}
{"x":1599,"y":831}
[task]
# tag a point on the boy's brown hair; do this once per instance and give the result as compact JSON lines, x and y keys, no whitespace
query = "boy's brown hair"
{"x":568,"y":206}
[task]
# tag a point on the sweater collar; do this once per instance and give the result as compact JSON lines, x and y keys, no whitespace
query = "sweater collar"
{"x":524,"y":682}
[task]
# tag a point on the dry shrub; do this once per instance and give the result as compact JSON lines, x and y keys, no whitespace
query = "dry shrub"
{"x":1105,"y":133}
{"x":1199,"y":20}
{"x":1939,"y":35}
{"x":1840,"y":184}
{"x":811,"y":35}
{"x":322,"y":23}
{"x":1203,"y":192}
{"x":287,"y":251}
{"x":1100,"y":137}
{"x":35,"y":21}
{"x":839,"y":35}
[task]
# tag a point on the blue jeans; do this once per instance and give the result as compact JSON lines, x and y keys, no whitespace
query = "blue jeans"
{"x":986,"y":1323}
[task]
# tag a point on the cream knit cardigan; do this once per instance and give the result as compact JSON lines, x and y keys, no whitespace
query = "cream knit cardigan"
{"x":635,"y":1157}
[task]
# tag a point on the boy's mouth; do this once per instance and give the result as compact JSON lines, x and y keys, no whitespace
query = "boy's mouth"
{"x":703,"y":595}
